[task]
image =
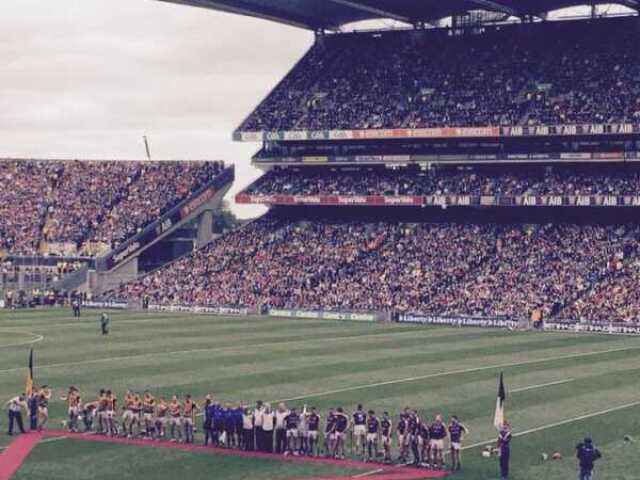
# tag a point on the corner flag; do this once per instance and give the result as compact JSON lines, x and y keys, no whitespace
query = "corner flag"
{"x":498,"y":419}
{"x":28,"y":389}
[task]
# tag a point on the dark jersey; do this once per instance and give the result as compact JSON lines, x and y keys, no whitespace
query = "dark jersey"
{"x":341,"y":423}
{"x":373,"y":424}
{"x":412,"y":426}
{"x":402,"y":425}
{"x":331,"y":423}
{"x":149,"y":406}
{"x":236,"y":415}
{"x":456,"y":430}
{"x":423,"y":431}
{"x":229,"y":420}
{"x":34,"y":403}
{"x":136,"y":407}
{"x":291,"y":421}
{"x":386,"y":427}
{"x":218,"y":415}
{"x":209,"y":412}
{"x":587,"y":455}
{"x":437,"y":431}
{"x":359,"y":418}
{"x":504,"y":440}
{"x":313,"y":423}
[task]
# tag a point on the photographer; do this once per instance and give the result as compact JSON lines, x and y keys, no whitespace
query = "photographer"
{"x":587,"y":455}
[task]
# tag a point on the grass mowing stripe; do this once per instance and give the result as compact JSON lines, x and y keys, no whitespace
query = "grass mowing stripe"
{"x":271,"y":359}
{"x":559,"y":424}
{"x":456,"y":372}
{"x":269,"y":375}
{"x":277,"y":341}
{"x":481,"y":407}
{"x":467,"y":386}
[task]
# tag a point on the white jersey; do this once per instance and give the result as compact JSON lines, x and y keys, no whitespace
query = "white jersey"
{"x":268,"y":421}
{"x":280,"y":416}
{"x":247,"y":421}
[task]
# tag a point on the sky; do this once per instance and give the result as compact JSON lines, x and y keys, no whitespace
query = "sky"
{"x":86,"y":79}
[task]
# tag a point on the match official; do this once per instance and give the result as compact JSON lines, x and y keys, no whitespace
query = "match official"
{"x":104,"y":323}
{"x":75,"y":305}
{"x":14,"y":409}
{"x":504,"y":448}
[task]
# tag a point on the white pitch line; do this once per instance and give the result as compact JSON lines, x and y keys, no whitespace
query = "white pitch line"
{"x":455,"y":372}
{"x":88,"y":323}
{"x":367,"y":474}
{"x":37,"y":338}
{"x":204,"y":350}
{"x":53,"y":439}
{"x":542,"y":385}
{"x":558,"y":424}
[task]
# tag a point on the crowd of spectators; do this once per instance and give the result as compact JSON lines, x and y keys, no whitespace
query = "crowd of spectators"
{"x":158,"y":188}
{"x":81,"y":203}
{"x":85,"y":193}
{"x":549,"y":73}
{"x":488,"y":270}
{"x":615,"y":299}
{"x":536,"y":267}
{"x":410,"y":182}
{"x":26,"y":189}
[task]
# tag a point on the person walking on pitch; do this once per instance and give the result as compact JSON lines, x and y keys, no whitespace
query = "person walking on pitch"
{"x":104,"y":323}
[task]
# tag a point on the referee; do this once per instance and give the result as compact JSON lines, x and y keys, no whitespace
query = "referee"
{"x":104,"y":323}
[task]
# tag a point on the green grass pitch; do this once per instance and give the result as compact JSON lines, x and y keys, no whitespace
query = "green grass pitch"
{"x":561,"y":386}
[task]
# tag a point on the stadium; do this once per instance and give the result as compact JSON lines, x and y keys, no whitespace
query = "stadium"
{"x":445,"y":282}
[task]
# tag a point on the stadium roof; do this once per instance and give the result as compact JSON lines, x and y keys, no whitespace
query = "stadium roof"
{"x":331,"y":14}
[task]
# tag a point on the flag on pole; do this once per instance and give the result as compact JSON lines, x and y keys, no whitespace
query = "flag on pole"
{"x":28,"y":389}
{"x":498,"y":418}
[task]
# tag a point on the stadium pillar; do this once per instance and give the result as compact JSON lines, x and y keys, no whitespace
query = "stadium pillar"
{"x":205,"y":228}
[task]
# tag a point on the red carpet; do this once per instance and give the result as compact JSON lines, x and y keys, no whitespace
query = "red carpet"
{"x":12,"y":458}
{"x":388,"y":472}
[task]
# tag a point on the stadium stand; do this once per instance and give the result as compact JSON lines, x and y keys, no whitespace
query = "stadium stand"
{"x":75,"y":207}
{"x":490,"y":270}
{"x":484,"y":91}
{"x":520,"y":180}
{"x":555,"y":73}
{"x":322,"y":247}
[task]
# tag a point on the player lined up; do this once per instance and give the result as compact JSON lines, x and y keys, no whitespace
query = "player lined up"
{"x":283,"y":430}
{"x":141,"y":415}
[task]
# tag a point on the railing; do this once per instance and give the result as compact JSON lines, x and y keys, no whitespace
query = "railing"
{"x":47,"y":261}
{"x":73,"y":280}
